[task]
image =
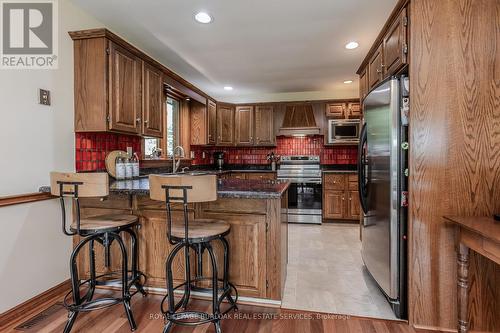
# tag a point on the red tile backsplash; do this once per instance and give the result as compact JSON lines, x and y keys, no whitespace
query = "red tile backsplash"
{"x":92,"y":148}
{"x":310,"y":145}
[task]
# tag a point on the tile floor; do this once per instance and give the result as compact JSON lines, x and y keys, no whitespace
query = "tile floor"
{"x":326,"y":273}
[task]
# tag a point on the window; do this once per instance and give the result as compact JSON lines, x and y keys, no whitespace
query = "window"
{"x":172,"y":133}
{"x":171,"y":136}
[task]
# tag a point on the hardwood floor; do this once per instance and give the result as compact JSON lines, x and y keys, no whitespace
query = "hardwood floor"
{"x":249,"y":319}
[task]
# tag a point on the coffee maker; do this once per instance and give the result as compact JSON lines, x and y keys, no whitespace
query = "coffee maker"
{"x":219,"y":160}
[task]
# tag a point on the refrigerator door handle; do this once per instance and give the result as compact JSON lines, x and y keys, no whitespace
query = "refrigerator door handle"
{"x":362,"y":174}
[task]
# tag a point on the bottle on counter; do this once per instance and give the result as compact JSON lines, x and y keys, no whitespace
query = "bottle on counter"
{"x":135,"y":166}
{"x":129,"y":169}
{"x":120,"y":168}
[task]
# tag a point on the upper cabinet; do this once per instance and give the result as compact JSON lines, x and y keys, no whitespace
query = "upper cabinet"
{"x":225,"y":125}
{"x":389,"y":53}
{"x":264,"y":125}
{"x":212,"y":122}
{"x":118,"y":88}
{"x":343,"y":110}
{"x":376,"y":68}
{"x":395,"y":44}
{"x":125,"y":75}
{"x":244,"y":125}
{"x":153,"y":101}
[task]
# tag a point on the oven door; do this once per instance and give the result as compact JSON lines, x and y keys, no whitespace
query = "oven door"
{"x":305,"y":202}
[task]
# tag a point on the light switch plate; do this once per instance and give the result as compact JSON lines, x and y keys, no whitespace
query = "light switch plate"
{"x":44,"y":97}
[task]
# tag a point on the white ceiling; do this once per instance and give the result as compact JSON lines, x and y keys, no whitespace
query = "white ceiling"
{"x":266,"y":49}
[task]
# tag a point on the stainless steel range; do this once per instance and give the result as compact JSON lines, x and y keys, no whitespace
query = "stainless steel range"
{"x":305,"y":193}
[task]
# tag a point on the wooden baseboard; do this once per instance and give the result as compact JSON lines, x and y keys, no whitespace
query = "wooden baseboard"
{"x":34,"y":305}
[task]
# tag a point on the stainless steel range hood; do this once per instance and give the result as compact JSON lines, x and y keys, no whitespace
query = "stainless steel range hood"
{"x":299,"y":121}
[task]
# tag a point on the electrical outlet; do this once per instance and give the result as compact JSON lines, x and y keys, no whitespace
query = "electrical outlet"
{"x":44,"y":97}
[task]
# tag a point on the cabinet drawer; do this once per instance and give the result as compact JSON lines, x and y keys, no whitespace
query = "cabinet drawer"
{"x":352,"y":182}
{"x":261,"y":175}
{"x":334,"y":182}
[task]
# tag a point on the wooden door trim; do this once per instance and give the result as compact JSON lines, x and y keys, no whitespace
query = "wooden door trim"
{"x":24,"y":198}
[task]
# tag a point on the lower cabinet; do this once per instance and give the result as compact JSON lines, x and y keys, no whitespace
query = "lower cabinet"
{"x":252,"y":175}
{"x":340,"y":196}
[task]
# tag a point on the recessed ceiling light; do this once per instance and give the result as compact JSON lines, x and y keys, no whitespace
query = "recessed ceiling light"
{"x":228,"y":88}
{"x":348,"y":81}
{"x":203,"y":17}
{"x":351,"y":45}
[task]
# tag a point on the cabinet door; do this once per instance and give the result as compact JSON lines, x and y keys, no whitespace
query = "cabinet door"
{"x":333,"y":204}
{"x":152,"y":111}
{"x":244,"y":125}
{"x":363,"y":84}
{"x":124,"y":90}
{"x":354,"y":110}
{"x":212,"y":122}
{"x":395,"y":47}
{"x":264,"y":126}
{"x":334,"y":181}
{"x":336,"y":110}
{"x":354,"y":205}
{"x":375,"y":68}
{"x":225,"y":125}
{"x":261,"y":175}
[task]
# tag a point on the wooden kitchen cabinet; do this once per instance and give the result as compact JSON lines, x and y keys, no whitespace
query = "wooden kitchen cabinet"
{"x":264,"y":126}
{"x":244,"y":125}
{"x":395,"y":46}
{"x":253,"y":175}
{"x":336,"y":110}
{"x":363,"y":84}
{"x":153,"y":101}
{"x":225,"y":125}
{"x":212,"y":122}
{"x":343,"y":110}
{"x":353,"y":110}
{"x":334,"y":204}
{"x":340,"y":197}
{"x":376,"y":68}
{"x":116,"y":90}
{"x":124,"y":90}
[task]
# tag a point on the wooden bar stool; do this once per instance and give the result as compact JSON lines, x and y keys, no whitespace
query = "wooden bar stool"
{"x":198,"y":236}
{"x":103,"y":229}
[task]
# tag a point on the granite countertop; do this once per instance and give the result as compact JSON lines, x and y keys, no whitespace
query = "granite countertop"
{"x":227,"y":188}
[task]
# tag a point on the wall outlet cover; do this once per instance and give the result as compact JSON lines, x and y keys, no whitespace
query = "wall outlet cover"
{"x":44,"y":97}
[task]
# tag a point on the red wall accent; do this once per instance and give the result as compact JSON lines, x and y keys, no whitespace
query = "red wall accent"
{"x":91,"y":148}
{"x":311,"y":145}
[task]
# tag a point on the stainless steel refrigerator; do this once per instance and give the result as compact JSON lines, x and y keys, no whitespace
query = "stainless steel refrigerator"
{"x":382,"y":172}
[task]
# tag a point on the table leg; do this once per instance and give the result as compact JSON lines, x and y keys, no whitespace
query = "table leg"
{"x":463,"y":287}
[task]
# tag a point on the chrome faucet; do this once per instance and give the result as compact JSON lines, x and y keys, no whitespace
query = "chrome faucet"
{"x":175,"y":165}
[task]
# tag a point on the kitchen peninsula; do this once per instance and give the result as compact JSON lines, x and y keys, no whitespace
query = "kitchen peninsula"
{"x":256,"y":210}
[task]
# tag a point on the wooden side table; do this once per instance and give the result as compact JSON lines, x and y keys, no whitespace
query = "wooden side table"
{"x":482,"y":235}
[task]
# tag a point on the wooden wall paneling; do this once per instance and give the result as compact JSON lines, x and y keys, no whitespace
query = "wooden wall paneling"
{"x":91,"y":89}
{"x":454,"y":153}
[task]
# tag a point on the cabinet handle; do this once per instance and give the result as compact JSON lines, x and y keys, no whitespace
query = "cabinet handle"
{"x":145,"y":121}
{"x":343,"y":199}
{"x":138,"y":120}
{"x":379,"y":70}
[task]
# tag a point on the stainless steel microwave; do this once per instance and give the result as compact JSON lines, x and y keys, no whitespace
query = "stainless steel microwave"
{"x":344,"y":131}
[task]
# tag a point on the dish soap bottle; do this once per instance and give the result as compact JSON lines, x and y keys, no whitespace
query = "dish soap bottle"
{"x":120,"y":168}
{"x":135,"y":166}
{"x":128,"y":168}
